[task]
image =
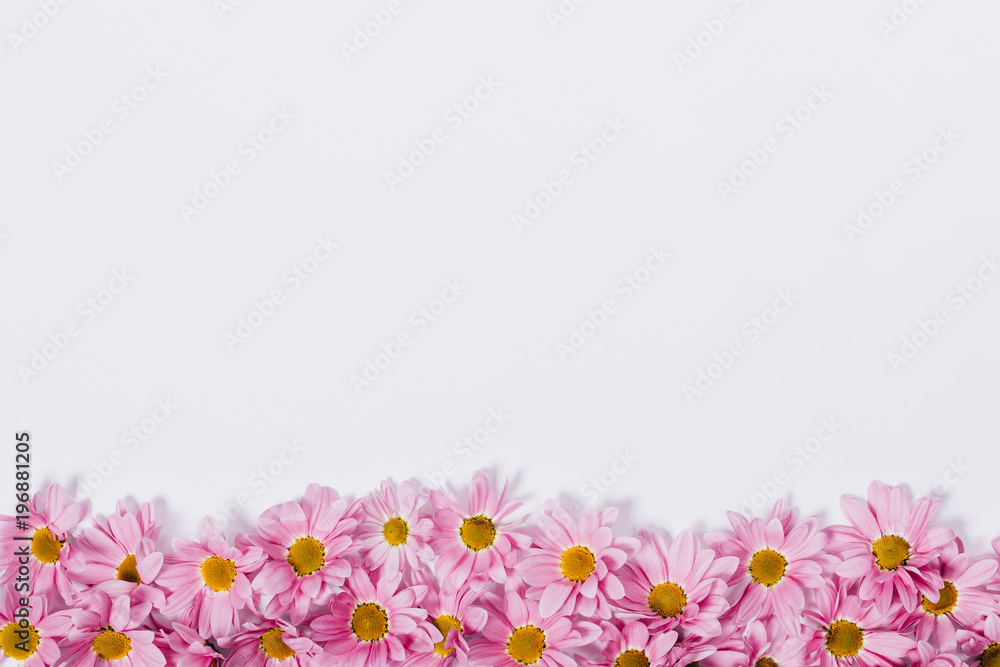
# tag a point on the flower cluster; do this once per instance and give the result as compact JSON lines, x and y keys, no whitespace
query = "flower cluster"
{"x":413,"y":579}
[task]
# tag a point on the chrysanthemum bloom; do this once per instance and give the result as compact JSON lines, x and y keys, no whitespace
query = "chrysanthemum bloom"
{"x":477,"y":544}
{"x":121,"y":556}
{"x":208,"y":580}
{"x":454,"y":616}
{"x":393,"y":532}
{"x":111,"y":633}
{"x":720,"y":651}
{"x":373,"y":623}
{"x":889,"y":546}
{"x":849,"y":632}
{"x":776,"y":564}
{"x":983,"y":644}
{"x":572,"y":566}
{"x":632,"y":646}
{"x":518,"y":634}
{"x":678,"y":586}
{"x":271,"y":644}
{"x":188,"y":648}
{"x":51,"y":556}
{"x":924,"y":655}
{"x":307,"y":545}
{"x":36,"y":645}
{"x":770,"y":644}
{"x":960,"y":602}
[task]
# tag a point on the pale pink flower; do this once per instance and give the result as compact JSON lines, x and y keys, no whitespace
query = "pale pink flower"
{"x":307,"y":545}
{"x":632,"y":644}
{"x":573,"y":564}
{"x":38,"y":644}
{"x":454,"y":616}
{"x":372,"y":623}
{"x":111,"y":633}
{"x":478,"y":543}
{"x":771,"y":640}
{"x":777,"y":564}
{"x":393,"y":532}
{"x":982,"y":644}
{"x":271,"y":644}
{"x":847,"y":633}
{"x":925,"y":655}
{"x":889,"y":547}
{"x":51,"y":554}
{"x":517,"y":634}
{"x":209,"y":581}
{"x":680,"y":586}
{"x":187,"y":648}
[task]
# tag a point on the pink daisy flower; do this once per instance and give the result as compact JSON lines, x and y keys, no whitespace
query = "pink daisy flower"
{"x":393,"y":532}
{"x":770,"y":644}
{"x":983,"y":644}
{"x":632,"y":646}
{"x":38,"y":644}
{"x":187,"y":648}
{"x":209,"y":581}
{"x":518,"y":634}
{"x":271,"y":644}
{"x":959,"y":604}
{"x":111,"y":633}
{"x":777,"y":563}
{"x":51,"y":559}
{"x":848,"y":633}
{"x":475,"y":544}
{"x":121,"y":556}
{"x":373,"y":623}
{"x":453,"y":616}
{"x":573,"y":563}
{"x":719,"y":651}
{"x":307,"y":545}
{"x":924,"y":655}
{"x":889,"y":546}
{"x":678,"y":586}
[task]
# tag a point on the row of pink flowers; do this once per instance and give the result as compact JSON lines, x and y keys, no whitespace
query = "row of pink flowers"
{"x":413,"y":579}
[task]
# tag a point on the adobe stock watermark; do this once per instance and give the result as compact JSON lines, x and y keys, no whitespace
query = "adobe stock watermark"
{"x":712,"y":30}
{"x":464,"y":449}
{"x":32,"y":24}
{"x":136,"y":436}
{"x":370,"y":30}
{"x":796,"y":458}
{"x":562,"y":12}
{"x":930,"y":328}
{"x":787,"y":127}
{"x":120,"y":109}
{"x":87,"y":311}
{"x":223,"y":8}
{"x":627,"y":287}
{"x":751,"y":332}
{"x":291,"y":280}
{"x":900,"y":15}
{"x":952,"y":475}
{"x":258,"y":481}
{"x":248,"y":150}
{"x":582,"y":158}
{"x":453,"y":118}
{"x":912,"y":170}
{"x":419,"y":321}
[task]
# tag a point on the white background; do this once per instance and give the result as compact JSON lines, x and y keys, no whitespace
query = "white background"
{"x":687,"y":128}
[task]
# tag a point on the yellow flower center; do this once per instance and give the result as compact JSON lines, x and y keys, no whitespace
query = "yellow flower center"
{"x":17,"y":646}
{"x":128,"y":571}
{"x":991,"y":656}
{"x":446,"y":624}
{"x":632,"y":658}
{"x":369,"y":622}
{"x":767,"y":567}
{"x":111,"y":645}
{"x":45,"y":546}
{"x":890,"y":552}
{"x":396,"y":531}
{"x":765,"y":662}
{"x":526,"y":645}
{"x":844,"y":639}
{"x":578,"y":563}
{"x":306,"y":556}
{"x":667,"y":599}
{"x":219,"y":574}
{"x":478,"y":532}
{"x":947,"y":599}
{"x":273,"y":646}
